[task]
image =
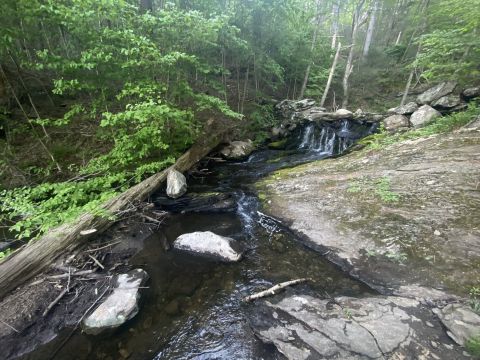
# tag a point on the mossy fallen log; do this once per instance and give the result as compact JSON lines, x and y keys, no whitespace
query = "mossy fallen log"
{"x":39,"y":254}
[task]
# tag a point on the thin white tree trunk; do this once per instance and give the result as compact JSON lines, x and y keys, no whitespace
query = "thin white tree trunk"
{"x":398,"y":38}
{"x":371,"y":28}
{"x":335,"y":16}
{"x":330,"y":75}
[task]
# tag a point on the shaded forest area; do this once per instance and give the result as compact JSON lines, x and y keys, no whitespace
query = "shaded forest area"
{"x":96,"y":95}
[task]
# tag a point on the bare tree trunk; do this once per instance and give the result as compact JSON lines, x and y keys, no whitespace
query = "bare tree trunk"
{"x":330,"y":75}
{"x":335,"y":16}
{"x":245,"y":89}
{"x":357,"y":20}
{"x":398,"y":38}
{"x":312,"y":48}
{"x":371,"y":28}
{"x":37,"y":255}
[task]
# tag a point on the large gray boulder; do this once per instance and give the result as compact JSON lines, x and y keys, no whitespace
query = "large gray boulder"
{"x":176,"y":184}
{"x":237,"y":150}
{"x":462,"y":323}
{"x":343,"y":114}
{"x":423,"y":116}
{"x":208,"y":244}
{"x":447,"y":102}
{"x":406,"y":109}
{"x":304,"y":327}
{"x":436,"y":92}
{"x":396,"y":122}
{"x":120,"y":306}
{"x":471,"y":93}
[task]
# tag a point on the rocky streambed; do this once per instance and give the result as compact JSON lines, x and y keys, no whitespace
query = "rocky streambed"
{"x":388,"y":239}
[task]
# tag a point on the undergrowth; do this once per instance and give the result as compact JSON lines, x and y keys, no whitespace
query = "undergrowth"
{"x":441,"y":125}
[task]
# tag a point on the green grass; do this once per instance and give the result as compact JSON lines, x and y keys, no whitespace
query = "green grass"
{"x":442,"y":125}
{"x":473,"y":346}
{"x":383,"y":190}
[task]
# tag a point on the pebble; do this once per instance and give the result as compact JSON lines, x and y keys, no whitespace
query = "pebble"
{"x":437,"y":233}
{"x":434,"y":344}
{"x":448,"y":346}
{"x":429,"y":324}
{"x":124,"y":353}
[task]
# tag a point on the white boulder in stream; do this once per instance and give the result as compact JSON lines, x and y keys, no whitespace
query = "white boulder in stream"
{"x":208,"y":244}
{"x":176,"y":184}
{"x":120,"y":306}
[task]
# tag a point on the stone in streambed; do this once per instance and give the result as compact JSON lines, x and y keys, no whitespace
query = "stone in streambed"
{"x":118,"y":307}
{"x":176,"y":184}
{"x":208,"y":244}
{"x":237,"y":150}
{"x":424,"y":116}
{"x":396,"y":122}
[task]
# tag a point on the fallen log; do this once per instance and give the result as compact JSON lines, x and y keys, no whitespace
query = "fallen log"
{"x":37,"y":255}
{"x":274,"y":289}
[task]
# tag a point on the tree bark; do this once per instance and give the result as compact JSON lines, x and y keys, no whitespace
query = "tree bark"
{"x":371,"y":28}
{"x":335,"y":16}
{"x":37,"y":255}
{"x":330,"y":75}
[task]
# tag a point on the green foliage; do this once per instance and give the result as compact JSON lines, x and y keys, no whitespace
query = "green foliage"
{"x":473,"y":346}
{"x":5,"y":253}
{"x":475,"y":299}
{"x":383,"y":190}
{"x":261,"y":120}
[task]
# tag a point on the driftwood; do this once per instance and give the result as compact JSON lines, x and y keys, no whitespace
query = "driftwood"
{"x":39,"y":254}
{"x":274,"y":289}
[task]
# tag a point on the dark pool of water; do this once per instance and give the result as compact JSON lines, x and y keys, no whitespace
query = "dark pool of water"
{"x":193,"y":307}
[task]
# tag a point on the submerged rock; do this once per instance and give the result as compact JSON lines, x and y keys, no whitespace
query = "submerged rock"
{"x":406,"y":109}
{"x":423,"y":116}
{"x":211,"y":245}
{"x":447,"y":102}
{"x":304,"y":327}
{"x":176,"y":184}
{"x":120,"y":306}
{"x":462,"y":323}
{"x":436,"y":92}
{"x":396,"y":122}
{"x":237,"y":150}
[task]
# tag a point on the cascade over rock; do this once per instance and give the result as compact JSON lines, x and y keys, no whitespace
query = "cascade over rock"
{"x":423,"y":116}
{"x":436,"y":92}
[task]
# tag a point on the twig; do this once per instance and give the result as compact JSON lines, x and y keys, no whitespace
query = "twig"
{"x":10,"y":326}
{"x":102,"y":247}
{"x":54,"y":302}
{"x":96,"y":261}
{"x":274,"y":289}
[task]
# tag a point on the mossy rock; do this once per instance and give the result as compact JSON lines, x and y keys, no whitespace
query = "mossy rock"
{"x":278,"y":145}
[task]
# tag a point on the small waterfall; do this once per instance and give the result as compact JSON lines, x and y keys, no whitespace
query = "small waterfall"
{"x":329,"y":139}
{"x":247,"y":210}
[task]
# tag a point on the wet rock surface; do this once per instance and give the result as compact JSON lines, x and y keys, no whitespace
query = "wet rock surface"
{"x":118,"y":307}
{"x":237,"y":150}
{"x":176,"y":184}
{"x":304,"y":327}
{"x":209,"y":244}
{"x":403,"y":218}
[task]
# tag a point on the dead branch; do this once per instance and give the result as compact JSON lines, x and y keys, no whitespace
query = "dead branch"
{"x":274,"y":289}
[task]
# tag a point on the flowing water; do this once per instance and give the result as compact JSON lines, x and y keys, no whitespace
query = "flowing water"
{"x":193,"y":307}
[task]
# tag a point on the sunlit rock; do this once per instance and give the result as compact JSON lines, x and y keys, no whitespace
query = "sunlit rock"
{"x":176,"y":184}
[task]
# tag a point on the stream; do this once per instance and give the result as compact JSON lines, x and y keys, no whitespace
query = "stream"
{"x":192,"y":308}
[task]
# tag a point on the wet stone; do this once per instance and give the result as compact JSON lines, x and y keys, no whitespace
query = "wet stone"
{"x":118,"y":307}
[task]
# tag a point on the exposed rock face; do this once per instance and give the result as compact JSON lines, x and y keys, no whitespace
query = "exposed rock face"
{"x":471,"y":93}
{"x":462,"y":323}
{"x":436,"y":92}
{"x":211,"y":245}
{"x":237,"y":150}
{"x":344,"y":114}
{"x":396,"y":122}
{"x":423,"y":116}
{"x":406,"y":109}
{"x":447,"y":102}
{"x":176,"y":184}
{"x":303,"y":327}
{"x":120,"y":306}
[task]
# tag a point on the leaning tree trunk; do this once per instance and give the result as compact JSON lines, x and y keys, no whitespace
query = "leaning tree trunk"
{"x":371,"y":28}
{"x":330,"y":75}
{"x":39,"y":254}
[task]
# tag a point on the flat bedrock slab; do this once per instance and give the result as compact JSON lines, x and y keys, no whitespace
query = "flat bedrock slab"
{"x":209,"y":244}
{"x":118,"y":307}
